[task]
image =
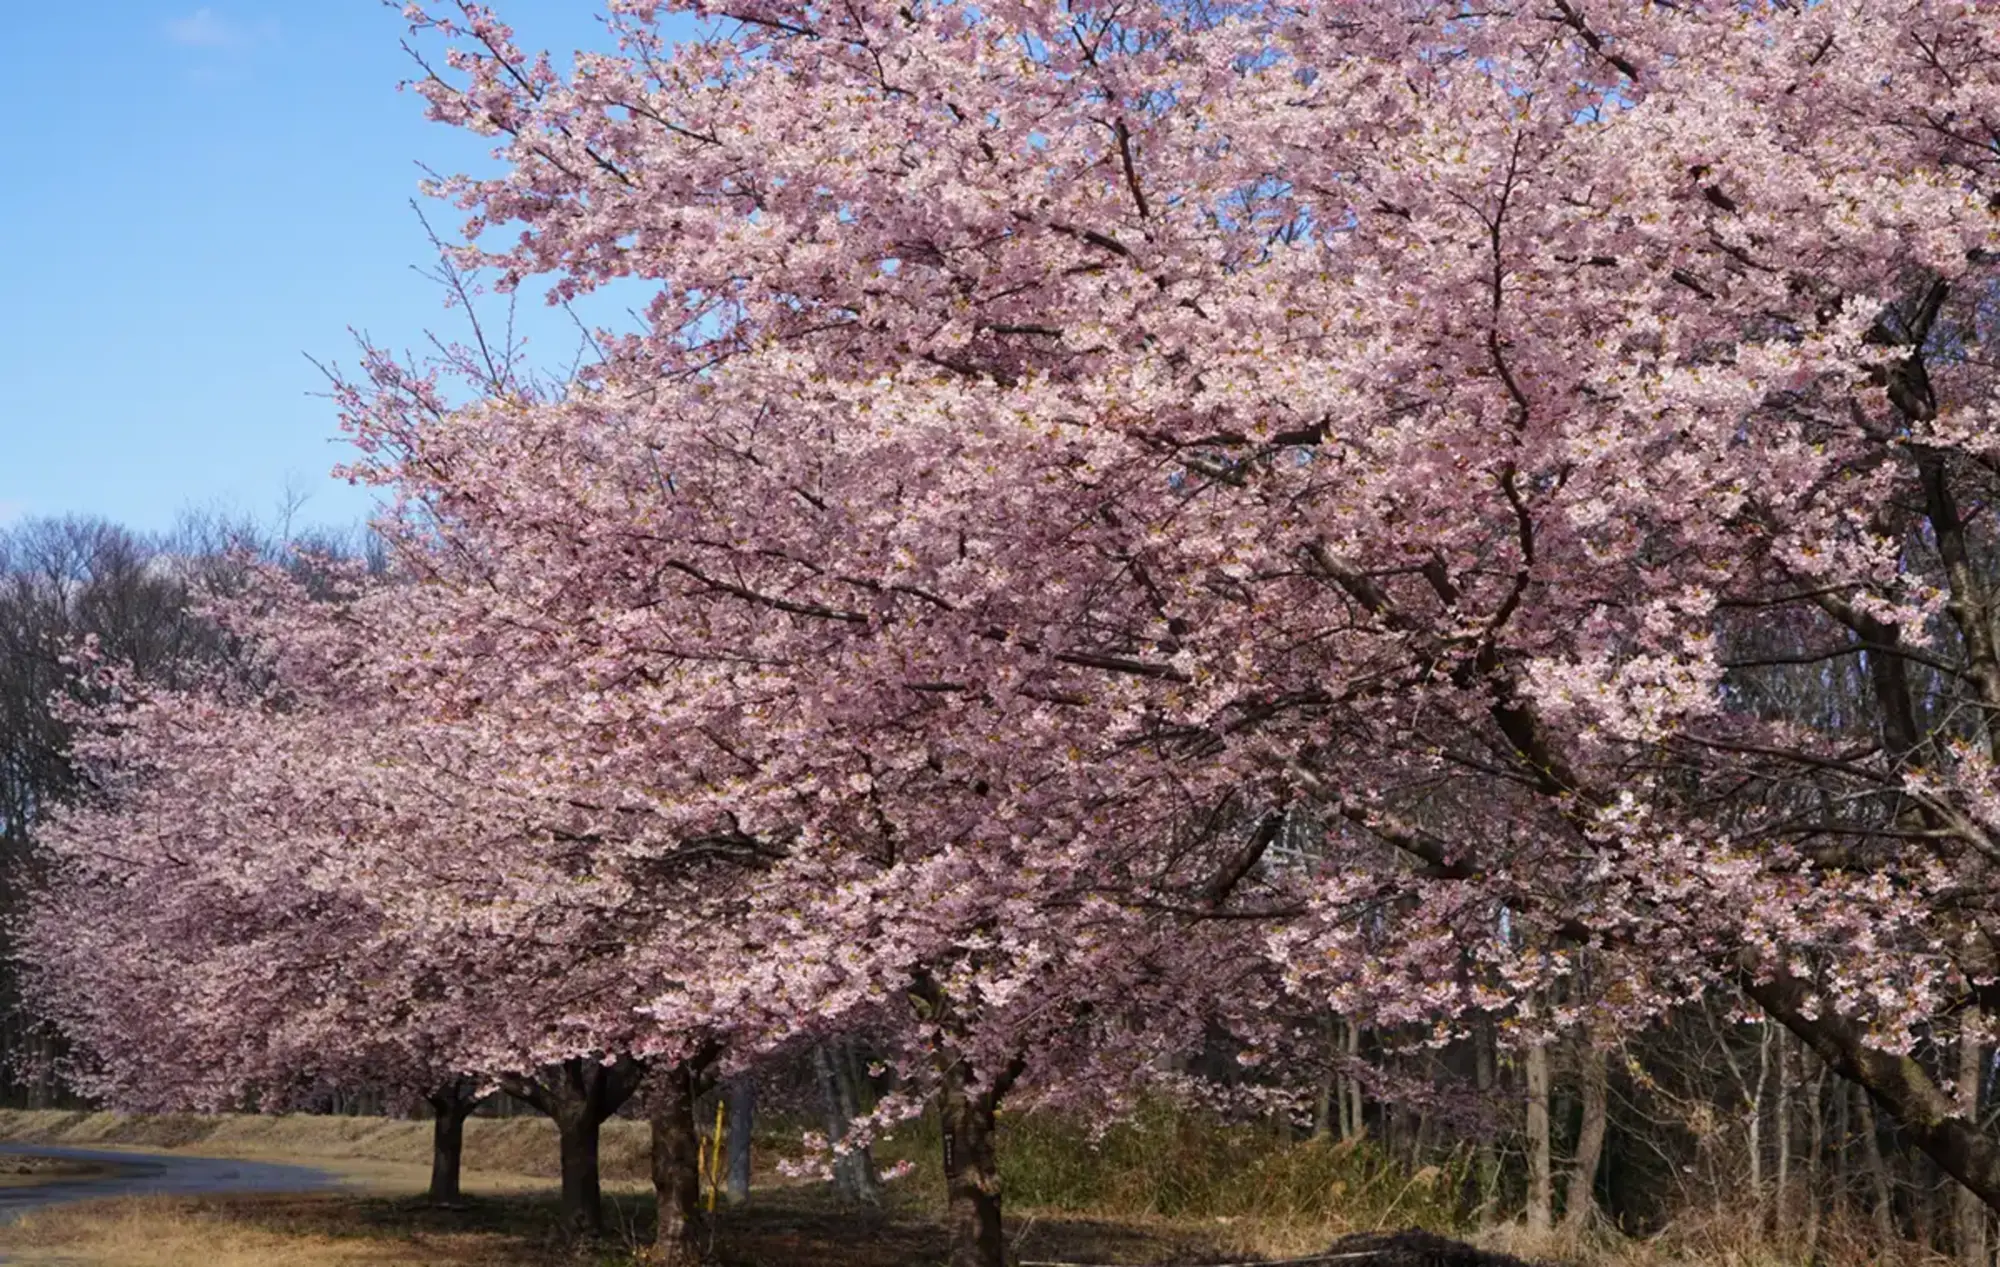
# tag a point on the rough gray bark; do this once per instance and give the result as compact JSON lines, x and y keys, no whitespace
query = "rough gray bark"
{"x":742,"y":1117}
{"x":1815,"y":1144}
{"x":854,"y":1174}
{"x":1353,"y":1122}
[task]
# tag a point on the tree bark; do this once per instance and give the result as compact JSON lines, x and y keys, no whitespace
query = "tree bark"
{"x":971,"y":1172}
{"x":677,"y":1166}
{"x":579,"y":1094}
{"x":854,"y":1174}
{"x":1815,"y":1145}
{"x":1325,"y":1114}
{"x":1581,"y":1202}
{"x":1784,"y":1132}
{"x":742,"y":1116}
{"x":1354,"y":1119}
{"x":1486,"y":1077}
{"x":1541,"y":1188}
{"x":451,"y":1105}
{"x":1883,"y":1209}
{"x":1843,"y":1152}
{"x":578,"y":1133}
{"x":967,"y":1106}
{"x":1969,"y":1212}
{"x":1758,"y":1193}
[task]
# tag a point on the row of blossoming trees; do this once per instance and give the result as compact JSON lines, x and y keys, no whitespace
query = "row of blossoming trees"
{"x":1067,"y":446}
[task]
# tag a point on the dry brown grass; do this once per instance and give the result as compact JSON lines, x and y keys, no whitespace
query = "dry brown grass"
{"x":318,"y":1231}
{"x":1725,"y":1237}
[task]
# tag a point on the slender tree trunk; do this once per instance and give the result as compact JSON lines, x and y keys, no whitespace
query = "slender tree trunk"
{"x":1757,"y":1191}
{"x":1325,"y":1114}
{"x":676,"y":1167}
{"x":1969,"y":1211}
{"x":1883,"y":1205}
{"x":1595,"y":1080}
{"x":1357,"y":1122}
{"x":1923,"y":1211}
{"x":857,"y":1099}
{"x":1541,"y":1188}
{"x":1843,"y":1152}
{"x":451,"y":1105}
{"x":742,"y":1116}
{"x":1784,"y":1134}
{"x":1486,"y":1076}
{"x":1815,"y":1145}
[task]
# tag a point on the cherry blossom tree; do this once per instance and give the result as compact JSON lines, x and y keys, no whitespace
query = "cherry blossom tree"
{"x":308,"y":877}
{"x":1089,"y":430}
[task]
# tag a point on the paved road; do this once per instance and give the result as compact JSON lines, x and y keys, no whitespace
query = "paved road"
{"x":134,"y":1174}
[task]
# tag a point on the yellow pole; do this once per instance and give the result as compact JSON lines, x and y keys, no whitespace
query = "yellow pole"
{"x":715,"y":1163}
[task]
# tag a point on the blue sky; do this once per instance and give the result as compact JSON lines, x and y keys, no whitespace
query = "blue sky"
{"x":196,"y":197}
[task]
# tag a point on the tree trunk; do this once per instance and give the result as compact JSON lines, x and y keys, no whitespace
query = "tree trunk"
{"x":856,"y":1100}
{"x":1815,"y":1145}
{"x":1330,"y":1104}
{"x":1541,"y":1188}
{"x":1784,"y":1133}
{"x":1843,"y":1152}
{"x":577,"y":1132}
{"x":1883,"y":1209}
{"x":1357,"y":1122}
{"x":967,"y":1104}
{"x":1486,"y":1077}
{"x":1757,"y":1193}
{"x":1969,"y":1212}
{"x":1581,"y":1202}
{"x":447,"y":1150}
{"x":971,"y":1173}
{"x":742,"y":1116}
{"x":854,"y":1174}
{"x":677,"y":1167}
{"x":451,"y":1105}
{"x":579,"y":1094}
